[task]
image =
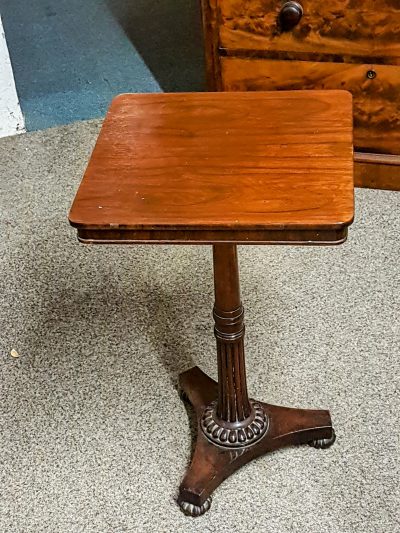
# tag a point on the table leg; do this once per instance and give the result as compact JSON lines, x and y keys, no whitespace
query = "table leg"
{"x":233,"y":429}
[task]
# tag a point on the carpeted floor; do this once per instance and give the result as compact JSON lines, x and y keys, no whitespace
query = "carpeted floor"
{"x":94,"y":437}
{"x":70,"y":57}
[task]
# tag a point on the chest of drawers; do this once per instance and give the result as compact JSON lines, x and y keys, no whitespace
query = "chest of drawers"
{"x":311,"y":44}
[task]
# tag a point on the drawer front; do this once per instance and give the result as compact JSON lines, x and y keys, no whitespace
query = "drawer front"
{"x":347,"y":29}
{"x":376,"y":101}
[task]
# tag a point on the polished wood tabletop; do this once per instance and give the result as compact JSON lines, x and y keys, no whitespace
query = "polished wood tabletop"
{"x":261,"y":167}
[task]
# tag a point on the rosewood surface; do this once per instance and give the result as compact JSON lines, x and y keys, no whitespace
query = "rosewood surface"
{"x":214,"y":167}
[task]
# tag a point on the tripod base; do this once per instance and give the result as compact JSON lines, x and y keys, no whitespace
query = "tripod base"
{"x":212,"y":463}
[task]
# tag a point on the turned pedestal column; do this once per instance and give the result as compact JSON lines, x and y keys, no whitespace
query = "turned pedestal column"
{"x":234,"y":429}
{"x":232,"y":419}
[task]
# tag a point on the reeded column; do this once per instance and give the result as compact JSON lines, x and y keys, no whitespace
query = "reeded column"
{"x":233,"y":402}
{"x":232,"y":420}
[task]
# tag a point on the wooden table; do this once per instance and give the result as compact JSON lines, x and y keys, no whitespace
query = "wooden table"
{"x":224,"y":169}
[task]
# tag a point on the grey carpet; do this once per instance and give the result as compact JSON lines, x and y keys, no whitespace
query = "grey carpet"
{"x":94,"y":437}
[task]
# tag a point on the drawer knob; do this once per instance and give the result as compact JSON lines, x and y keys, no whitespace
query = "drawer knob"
{"x":290,"y":15}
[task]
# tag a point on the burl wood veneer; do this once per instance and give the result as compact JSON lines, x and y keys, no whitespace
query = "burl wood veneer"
{"x":224,"y":169}
{"x":308,"y":44}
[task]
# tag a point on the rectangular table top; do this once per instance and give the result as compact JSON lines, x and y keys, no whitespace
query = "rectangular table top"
{"x":263,"y":167}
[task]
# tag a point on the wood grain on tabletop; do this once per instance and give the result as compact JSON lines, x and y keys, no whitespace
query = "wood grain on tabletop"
{"x":279,"y":160}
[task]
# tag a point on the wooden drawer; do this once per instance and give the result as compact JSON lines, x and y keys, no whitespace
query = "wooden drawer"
{"x":376,"y":101}
{"x":363,"y":31}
